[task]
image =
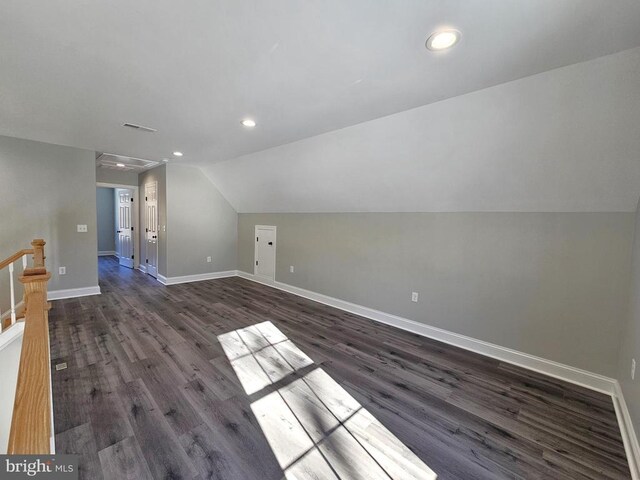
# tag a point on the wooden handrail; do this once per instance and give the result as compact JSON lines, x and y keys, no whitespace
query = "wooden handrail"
{"x":37,"y":251}
{"x":16,"y":256}
{"x":31,"y":421}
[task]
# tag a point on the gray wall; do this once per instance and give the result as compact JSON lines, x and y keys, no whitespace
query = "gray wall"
{"x":549,"y":284}
{"x":106,"y":214}
{"x":117,"y":177}
{"x":158,"y":174}
{"x":631,"y":336}
{"x":202,"y":224}
{"x":46,"y":191}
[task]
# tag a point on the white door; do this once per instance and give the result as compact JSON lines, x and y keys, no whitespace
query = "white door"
{"x":265,"y":252}
{"x":151,"y":227}
{"x":124,"y":233}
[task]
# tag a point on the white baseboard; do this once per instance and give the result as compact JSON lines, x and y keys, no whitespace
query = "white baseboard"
{"x":196,"y":278}
{"x":629,"y":437}
{"x":73,"y":293}
{"x":557,"y":370}
{"x":567,"y":373}
{"x":106,"y":253}
{"x":142,"y":268}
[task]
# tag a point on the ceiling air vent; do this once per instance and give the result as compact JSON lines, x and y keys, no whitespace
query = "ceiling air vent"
{"x":139,"y":127}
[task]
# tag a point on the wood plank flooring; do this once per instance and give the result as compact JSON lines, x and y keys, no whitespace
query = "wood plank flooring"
{"x":229,"y":379}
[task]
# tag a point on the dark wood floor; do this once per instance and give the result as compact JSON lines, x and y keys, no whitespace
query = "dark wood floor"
{"x":234,"y":380}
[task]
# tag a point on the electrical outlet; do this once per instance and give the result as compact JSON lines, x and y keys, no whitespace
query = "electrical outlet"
{"x":414,"y":296}
{"x":291,"y":269}
{"x":208,"y":259}
{"x":82,"y":229}
{"x":633,"y":369}
{"x":62,"y":271}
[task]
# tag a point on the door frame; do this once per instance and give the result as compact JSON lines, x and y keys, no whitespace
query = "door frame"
{"x":255,"y":249}
{"x":134,"y":219}
{"x":144,"y":266}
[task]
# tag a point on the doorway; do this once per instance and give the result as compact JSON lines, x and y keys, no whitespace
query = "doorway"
{"x":124,"y":224}
{"x":118,"y":213}
{"x":265,"y":252}
{"x":151,"y":228}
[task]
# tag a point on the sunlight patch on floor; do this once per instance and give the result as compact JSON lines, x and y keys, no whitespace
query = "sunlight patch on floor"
{"x":315,"y":428}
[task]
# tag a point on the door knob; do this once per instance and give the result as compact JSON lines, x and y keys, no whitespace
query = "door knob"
{"x":270,"y":243}
{"x":118,"y":231}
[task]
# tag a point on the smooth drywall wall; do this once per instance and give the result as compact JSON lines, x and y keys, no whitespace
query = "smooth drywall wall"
{"x":47,"y":190}
{"x":202,"y":224}
{"x":631,"y":335}
{"x":563,"y":141}
{"x":105,"y":206}
{"x":159,"y":175}
{"x":116,"y":177}
{"x":548,"y":284}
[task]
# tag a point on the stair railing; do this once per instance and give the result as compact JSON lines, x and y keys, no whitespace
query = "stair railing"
{"x":31,"y":418}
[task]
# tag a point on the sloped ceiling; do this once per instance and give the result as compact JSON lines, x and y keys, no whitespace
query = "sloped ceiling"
{"x":325,"y":80}
{"x":74,"y":71}
{"x":564,"y":140}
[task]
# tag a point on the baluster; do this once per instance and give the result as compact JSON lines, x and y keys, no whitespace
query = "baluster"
{"x":24,"y":263}
{"x":13,"y":295}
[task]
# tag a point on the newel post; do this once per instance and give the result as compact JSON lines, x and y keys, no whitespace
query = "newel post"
{"x":35,"y":279}
{"x":38,"y":252}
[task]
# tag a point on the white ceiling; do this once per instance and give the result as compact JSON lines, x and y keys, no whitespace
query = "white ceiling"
{"x":71,"y":72}
{"x":565,"y":140}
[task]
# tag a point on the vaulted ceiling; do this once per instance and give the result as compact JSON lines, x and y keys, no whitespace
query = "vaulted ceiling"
{"x":567,"y":140}
{"x":72,"y":72}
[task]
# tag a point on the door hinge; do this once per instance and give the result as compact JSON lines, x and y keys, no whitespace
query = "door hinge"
{"x":146,"y":230}
{"x":131,"y":257}
{"x":256,"y":262}
{"x":257,"y":239}
{"x":146,"y":261}
{"x":132,"y":229}
{"x":132,"y":199}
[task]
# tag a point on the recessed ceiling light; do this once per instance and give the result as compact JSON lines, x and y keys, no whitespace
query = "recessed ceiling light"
{"x":177,"y":154}
{"x":247,"y":122}
{"x":120,"y":164}
{"x":443,"y":39}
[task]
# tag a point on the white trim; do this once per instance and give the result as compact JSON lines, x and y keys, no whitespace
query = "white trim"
{"x":146,"y":222}
{"x":9,"y":334}
{"x":107,"y":253}
{"x":567,"y":373}
{"x":553,"y":369}
{"x":7,"y":314}
{"x":114,"y":185}
{"x":142,"y":268}
{"x":73,"y":293}
{"x":195,"y":278}
{"x":629,"y":438}
{"x":255,"y":250}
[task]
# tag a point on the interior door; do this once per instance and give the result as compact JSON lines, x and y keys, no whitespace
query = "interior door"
{"x":124,"y":233}
{"x":265,"y":252}
{"x":151,"y":227}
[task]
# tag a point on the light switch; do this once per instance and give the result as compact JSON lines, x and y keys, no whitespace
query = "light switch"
{"x":82,"y":228}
